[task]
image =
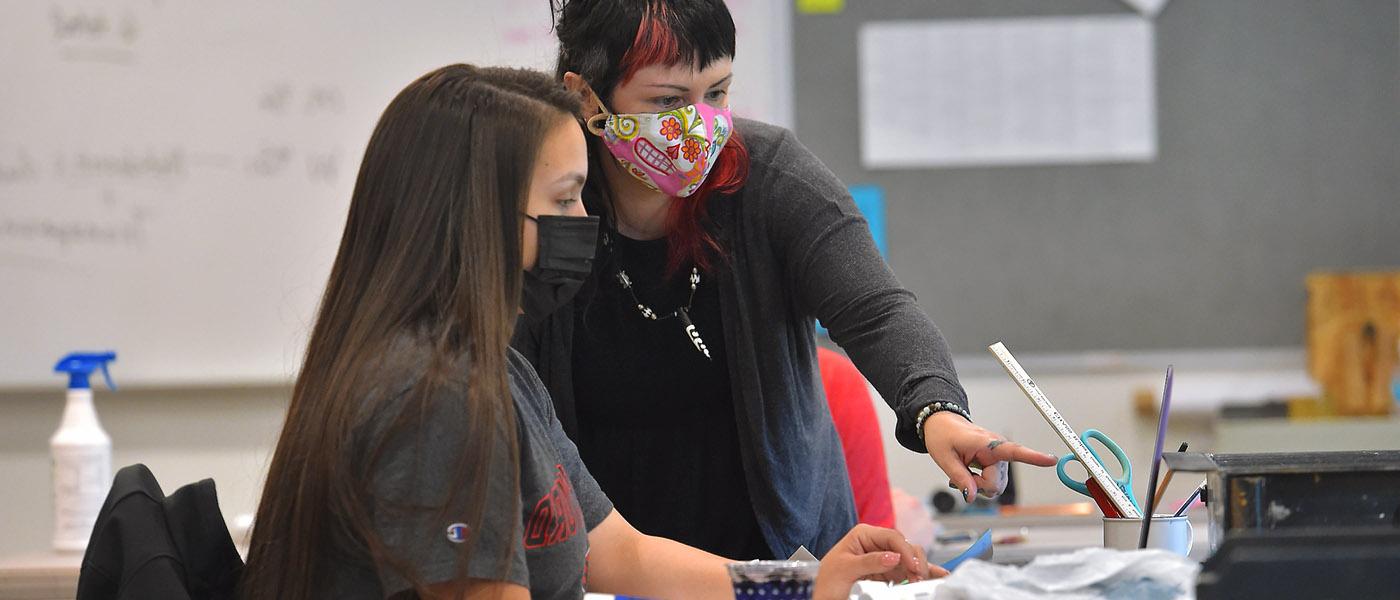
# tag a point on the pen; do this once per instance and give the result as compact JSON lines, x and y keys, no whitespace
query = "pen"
{"x":1156,"y":457}
{"x":1166,"y":480}
{"x":1190,"y":499}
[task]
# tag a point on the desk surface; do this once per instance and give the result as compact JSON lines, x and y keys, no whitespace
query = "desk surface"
{"x":40,"y":576}
{"x":53,"y":576}
{"x":1045,"y":534}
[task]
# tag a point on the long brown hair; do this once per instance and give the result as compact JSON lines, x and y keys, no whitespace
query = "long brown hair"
{"x":431,"y":251}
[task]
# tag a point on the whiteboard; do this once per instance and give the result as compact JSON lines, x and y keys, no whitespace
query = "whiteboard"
{"x":174,"y":176}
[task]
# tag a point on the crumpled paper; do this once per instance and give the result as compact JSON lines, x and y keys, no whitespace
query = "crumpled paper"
{"x":879,"y":590}
{"x":1087,"y":574}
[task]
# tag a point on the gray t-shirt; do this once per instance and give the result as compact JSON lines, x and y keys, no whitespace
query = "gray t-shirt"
{"x":546,"y":544}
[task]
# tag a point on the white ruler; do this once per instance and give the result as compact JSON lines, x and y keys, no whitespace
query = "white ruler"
{"x":1071,"y":439}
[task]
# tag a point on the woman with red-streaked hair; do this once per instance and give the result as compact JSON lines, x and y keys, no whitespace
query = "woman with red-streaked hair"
{"x":420,"y":457}
{"x":686,"y":370}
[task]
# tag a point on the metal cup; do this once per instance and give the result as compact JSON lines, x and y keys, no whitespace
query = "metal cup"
{"x":1173,"y":534}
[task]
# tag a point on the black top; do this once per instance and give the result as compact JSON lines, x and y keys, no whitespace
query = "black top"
{"x":656,"y":417}
{"x":797,"y":248}
{"x":147,"y":545}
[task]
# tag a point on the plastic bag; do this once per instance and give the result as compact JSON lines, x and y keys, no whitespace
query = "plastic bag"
{"x":1087,"y":574}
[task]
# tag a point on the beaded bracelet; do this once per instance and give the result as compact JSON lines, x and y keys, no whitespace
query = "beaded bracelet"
{"x":939,"y":406}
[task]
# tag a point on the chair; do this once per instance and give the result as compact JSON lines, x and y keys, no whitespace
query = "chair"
{"x":148,"y":545}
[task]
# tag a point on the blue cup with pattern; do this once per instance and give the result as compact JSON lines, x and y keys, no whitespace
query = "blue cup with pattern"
{"x":773,"y":579}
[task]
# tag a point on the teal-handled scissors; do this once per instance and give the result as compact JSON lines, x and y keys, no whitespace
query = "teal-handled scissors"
{"x":1124,"y":481}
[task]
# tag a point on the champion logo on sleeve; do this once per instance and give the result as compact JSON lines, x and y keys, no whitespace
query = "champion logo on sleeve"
{"x":457,"y":532}
{"x":556,"y":517}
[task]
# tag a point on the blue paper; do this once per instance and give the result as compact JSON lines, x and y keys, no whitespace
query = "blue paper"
{"x":982,"y":548}
{"x":870,"y":199}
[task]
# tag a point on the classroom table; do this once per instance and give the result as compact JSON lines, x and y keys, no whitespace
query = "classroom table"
{"x":40,"y":576}
{"x":44,"y":575}
{"x":1046,"y":534}
{"x":50,"y":576}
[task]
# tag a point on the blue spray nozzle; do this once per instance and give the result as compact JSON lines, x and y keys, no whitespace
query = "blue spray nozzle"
{"x":79,"y":365}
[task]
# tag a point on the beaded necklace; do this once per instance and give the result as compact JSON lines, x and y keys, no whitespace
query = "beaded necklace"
{"x":682,"y":313}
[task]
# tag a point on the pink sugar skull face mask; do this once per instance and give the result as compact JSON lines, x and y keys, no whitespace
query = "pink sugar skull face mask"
{"x":671,"y":152}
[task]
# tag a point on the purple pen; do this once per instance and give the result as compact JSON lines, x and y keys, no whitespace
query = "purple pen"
{"x":1157,"y":457}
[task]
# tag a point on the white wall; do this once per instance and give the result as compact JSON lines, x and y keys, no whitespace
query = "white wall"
{"x":182,"y":435}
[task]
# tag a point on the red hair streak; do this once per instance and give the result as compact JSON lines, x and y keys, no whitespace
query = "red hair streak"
{"x":688,"y":241}
{"x":655,"y":44}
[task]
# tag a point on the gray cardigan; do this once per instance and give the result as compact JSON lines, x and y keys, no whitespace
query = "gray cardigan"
{"x":798,"y":249}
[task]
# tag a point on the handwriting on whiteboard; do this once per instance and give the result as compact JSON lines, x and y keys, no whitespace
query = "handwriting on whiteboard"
{"x":87,"y":33}
{"x":113,"y":227}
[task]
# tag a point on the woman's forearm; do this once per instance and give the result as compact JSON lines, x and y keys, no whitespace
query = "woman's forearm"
{"x":622,"y":560}
{"x":670,"y":569}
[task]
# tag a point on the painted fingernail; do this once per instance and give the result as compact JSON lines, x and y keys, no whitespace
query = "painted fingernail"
{"x":890,"y":559}
{"x":965,"y":496}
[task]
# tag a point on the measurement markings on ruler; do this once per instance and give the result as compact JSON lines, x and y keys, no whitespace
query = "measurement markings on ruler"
{"x":1071,"y":439}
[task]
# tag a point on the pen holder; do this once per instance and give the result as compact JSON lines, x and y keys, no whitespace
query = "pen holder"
{"x":773,"y":579}
{"x":1173,"y":534}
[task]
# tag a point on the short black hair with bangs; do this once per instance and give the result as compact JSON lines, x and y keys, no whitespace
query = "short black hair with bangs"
{"x":607,"y":41}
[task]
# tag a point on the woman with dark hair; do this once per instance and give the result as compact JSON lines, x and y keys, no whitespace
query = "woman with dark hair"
{"x":420,"y":456}
{"x":686,"y":369}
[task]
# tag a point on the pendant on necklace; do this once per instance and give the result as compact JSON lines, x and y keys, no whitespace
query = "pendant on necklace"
{"x":692,"y":333}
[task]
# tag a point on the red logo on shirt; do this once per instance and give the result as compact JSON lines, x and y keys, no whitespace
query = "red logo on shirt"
{"x":556,"y":516}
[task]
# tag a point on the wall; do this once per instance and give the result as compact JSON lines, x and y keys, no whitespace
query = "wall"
{"x":174,"y":176}
{"x":1277,"y":128}
{"x":182,"y":435}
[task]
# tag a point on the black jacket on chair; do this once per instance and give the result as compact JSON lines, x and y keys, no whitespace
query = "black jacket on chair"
{"x":145,"y":545}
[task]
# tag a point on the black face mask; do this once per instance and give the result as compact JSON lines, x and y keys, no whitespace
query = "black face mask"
{"x":567,"y":246}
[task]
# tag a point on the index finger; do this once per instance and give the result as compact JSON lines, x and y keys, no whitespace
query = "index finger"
{"x":1001,"y":450}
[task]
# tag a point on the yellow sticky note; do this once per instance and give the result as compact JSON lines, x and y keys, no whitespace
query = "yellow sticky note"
{"x":820,"y":7}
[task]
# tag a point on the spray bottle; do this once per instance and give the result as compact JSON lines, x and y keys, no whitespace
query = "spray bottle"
{"x":82,"y":454}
